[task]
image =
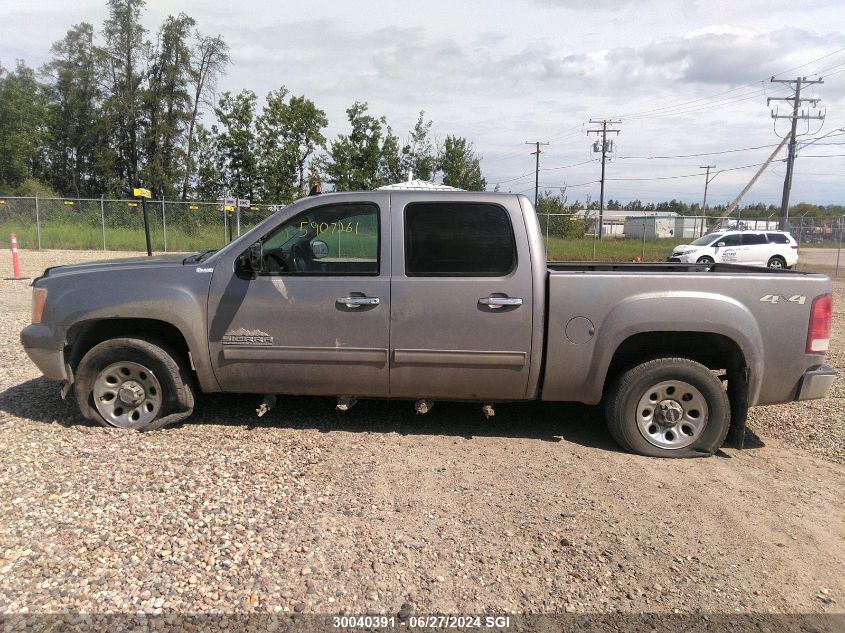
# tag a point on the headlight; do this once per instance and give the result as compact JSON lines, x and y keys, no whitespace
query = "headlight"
{"x":39,"y":297}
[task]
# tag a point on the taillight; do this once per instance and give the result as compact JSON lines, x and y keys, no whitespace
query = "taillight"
{"x":818,"y":334}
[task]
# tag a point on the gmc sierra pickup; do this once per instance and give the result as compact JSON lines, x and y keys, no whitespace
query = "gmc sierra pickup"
{"x":433,"y":295}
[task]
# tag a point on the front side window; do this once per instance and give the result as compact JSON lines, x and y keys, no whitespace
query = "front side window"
{"x":706,"y":240}
{"x":731,"y":239}
{"x":458,"y":239}
{"x":336,"y":239}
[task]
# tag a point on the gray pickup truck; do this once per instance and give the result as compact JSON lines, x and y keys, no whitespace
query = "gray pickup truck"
{"x":433,"y":295}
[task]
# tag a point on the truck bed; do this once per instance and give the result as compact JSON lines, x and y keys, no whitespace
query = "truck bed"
{"x":593,"y":307}
{"x":661,"y":267}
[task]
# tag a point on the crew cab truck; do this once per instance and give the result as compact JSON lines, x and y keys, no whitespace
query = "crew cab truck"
{"x":433,"y":295}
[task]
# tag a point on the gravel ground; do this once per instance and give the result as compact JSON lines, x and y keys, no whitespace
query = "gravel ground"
{"x":308,"y":511}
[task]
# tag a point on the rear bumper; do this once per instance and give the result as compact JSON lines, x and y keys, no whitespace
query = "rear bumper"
{"x":816,"y":383}
{"x":45,"y":347}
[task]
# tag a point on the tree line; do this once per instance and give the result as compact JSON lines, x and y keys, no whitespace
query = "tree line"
{"x":117,"y":108}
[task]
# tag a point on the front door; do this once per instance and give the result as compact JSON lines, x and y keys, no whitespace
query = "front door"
{"x":729,"y":249}
{"x":461,"y":300}
{"x":317,"y":320}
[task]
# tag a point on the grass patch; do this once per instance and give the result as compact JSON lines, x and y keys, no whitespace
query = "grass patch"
{"x":609,"y":249}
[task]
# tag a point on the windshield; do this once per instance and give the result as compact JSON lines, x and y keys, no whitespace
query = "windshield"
{"x":707,"y":239}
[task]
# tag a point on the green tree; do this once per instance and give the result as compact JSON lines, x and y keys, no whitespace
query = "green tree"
{"x":418,"y":156}
{"x":236,"y":145}
{"x":123,"y":57}
{"x":208,"y":181}
{"x":208,"y":61}
{"x":461,"y":165}
{"x":75,"y":144}
{"x":167,"y":107}
{"x":23,"y":117}
{"x":366,"y":158}
{"x":556,"y":218}
{"x":289,"y":132}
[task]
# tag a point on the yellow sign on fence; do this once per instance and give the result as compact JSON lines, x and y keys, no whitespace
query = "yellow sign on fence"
{"x":193,"y":206}
{"x":68,"y":203}
{"x":132,"y":204}
{"x":140,"y":192}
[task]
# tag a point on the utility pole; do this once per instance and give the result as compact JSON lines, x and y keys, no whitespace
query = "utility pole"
{"x":536,"y":152}
{"x":805,"y":115}
{"x":605,"y":148}
{"x":706,"y":182}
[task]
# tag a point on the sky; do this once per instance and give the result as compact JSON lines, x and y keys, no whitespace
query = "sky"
{"x":684,"y":77}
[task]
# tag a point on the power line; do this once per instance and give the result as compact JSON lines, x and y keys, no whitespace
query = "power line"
{"x":566,"y":166}
{"x":724,"y":151}
{"x":654,"y":178}
{"x":818,"y":59}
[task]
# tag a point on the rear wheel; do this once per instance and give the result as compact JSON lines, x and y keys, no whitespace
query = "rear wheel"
{"x":132,"y":383}
{"x":705,"y":260}
{"x":776,"y":262}
{"x":668,"y":407}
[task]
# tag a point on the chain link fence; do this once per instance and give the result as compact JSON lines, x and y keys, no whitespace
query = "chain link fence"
{"x":118,"y":225}
{"x":176,"y":226}
{"x":651,"y":236}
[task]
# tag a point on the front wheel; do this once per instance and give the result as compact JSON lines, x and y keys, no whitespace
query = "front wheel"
{"x":133,"y":383}
{"x":705,"y":260}
{"x":668,"y":407}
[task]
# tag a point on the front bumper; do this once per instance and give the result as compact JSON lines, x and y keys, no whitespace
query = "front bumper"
{"x":45,"y":347}
{"x":816,"y":382}
{"x":681,"y":258}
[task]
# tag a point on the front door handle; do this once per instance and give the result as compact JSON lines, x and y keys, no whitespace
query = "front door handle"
{"x":357,"y":302}
{"x":500,"y":302}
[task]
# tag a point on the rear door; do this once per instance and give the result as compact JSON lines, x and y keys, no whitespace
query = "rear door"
{"x":461,"y":304}
{"x":756,"y":249}
{"x":317,"y":321}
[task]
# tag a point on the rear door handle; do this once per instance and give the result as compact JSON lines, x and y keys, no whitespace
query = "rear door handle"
{"x":358,"y":302}
{"x":500,"y":302}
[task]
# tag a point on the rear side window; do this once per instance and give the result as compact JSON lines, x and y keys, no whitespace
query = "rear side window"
{"x":458,"y":239}
{"x":753,"y":239}
{"x":778,"y":238}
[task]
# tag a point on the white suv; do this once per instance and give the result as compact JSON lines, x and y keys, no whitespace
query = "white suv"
{"x":775,"y":249}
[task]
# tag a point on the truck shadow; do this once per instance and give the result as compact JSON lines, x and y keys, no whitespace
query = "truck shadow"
{"x":38,"y":400}
{"x":533,"y":420}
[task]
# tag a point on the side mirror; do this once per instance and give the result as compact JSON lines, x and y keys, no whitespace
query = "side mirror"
{"x":256,"y":260}
{"x":720,"y":245}
{"x":251,"y":261}
{"x":319,"y":249}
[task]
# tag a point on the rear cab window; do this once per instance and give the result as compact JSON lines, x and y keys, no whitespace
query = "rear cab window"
{"x":458,"y":239}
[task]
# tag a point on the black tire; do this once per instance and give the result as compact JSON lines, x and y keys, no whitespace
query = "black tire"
{"x":776,"y":261}
{"x":177,"y":394}
{"x":622,"y":405}
{"x":705,"y":260}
